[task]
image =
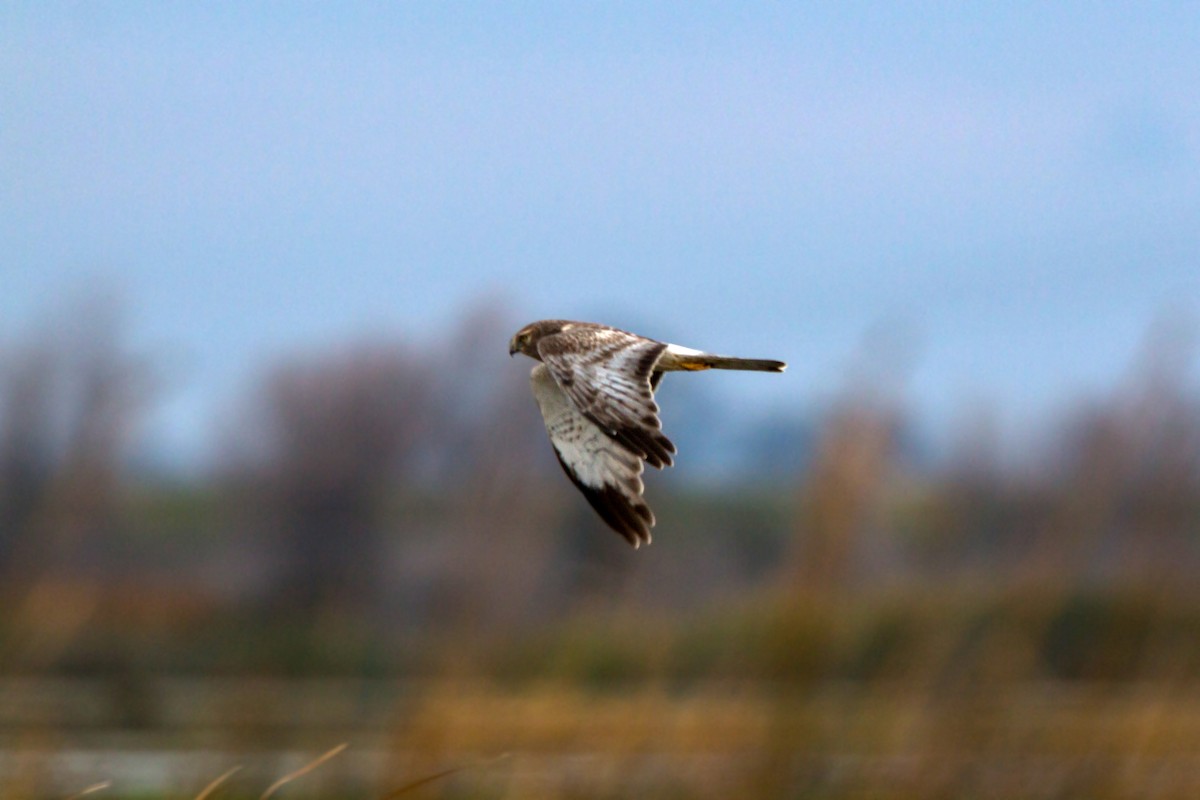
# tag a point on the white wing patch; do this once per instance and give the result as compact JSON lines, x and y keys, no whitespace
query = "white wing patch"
{"x":608,"y":474}
{"x":680,"y":350}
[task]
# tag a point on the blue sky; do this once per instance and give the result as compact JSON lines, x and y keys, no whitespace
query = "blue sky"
{"x":1015,"y":187}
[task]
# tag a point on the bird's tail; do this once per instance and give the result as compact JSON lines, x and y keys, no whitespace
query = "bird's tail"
{"x":707,"y":361}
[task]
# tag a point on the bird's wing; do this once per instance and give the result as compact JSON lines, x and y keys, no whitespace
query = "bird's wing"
{"x":608,"y":473}
{"x":607,"y":373}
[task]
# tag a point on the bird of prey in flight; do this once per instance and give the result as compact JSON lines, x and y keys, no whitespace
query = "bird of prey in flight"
{"x":595,"y":388}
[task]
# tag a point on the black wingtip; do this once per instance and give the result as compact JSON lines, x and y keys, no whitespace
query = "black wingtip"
{"x":632,"y":520}
{"x":652,"y":446}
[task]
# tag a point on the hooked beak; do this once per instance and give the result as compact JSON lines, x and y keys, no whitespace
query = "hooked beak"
{"x":512,"y":347}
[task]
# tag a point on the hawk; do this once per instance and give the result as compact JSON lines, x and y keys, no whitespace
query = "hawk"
{"x":595,"y":388}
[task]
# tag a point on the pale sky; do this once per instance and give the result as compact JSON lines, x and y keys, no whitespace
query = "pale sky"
{"x":1015,"y":186}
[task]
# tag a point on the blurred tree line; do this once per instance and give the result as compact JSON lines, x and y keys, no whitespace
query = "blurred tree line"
{"x":393,"y":505}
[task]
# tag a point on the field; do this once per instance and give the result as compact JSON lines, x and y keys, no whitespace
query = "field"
{"x":1005,"y":694}
{"x":477,"y":740}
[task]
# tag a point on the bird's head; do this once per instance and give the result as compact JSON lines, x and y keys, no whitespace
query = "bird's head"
{"x":526,"y":340}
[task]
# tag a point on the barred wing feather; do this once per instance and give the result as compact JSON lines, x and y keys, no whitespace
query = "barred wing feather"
{"x":607,"y":374}
{"x":608,"y":474}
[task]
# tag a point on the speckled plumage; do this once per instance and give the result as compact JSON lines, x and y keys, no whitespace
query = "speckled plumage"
{"x":595,"y":389}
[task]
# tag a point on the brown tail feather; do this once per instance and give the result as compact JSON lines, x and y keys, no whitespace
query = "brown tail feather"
{"x":705,"y":361}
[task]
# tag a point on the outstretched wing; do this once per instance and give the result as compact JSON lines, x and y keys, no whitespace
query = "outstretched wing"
{"x":608,"y":474}
{"x":607,"y":375}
